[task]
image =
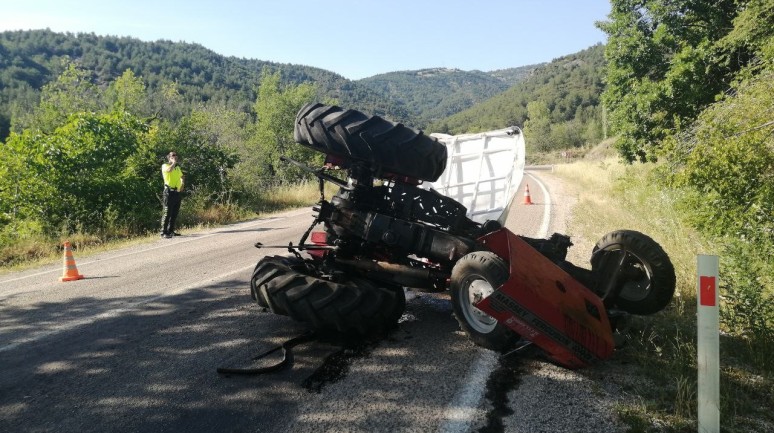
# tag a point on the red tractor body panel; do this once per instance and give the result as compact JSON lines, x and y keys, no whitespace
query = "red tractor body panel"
{"x":547,"y":306}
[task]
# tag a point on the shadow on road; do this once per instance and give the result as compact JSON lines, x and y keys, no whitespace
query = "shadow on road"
{"x":151,"y":366}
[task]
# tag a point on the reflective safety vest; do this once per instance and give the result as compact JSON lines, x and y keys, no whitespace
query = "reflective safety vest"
{"x":174,"y":178}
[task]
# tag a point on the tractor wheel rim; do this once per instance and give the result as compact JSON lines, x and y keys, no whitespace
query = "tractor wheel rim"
{"x":476,"y":290}
{"x":637,"y":289}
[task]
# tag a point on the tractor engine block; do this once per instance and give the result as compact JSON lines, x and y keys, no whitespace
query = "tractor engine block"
{"x":398,"y":218}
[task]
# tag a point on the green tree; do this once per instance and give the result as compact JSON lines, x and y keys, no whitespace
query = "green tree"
{"x":76,"y":177}
{"x":566,"y":135}
{"x":727,"y":161}
{"x":168,"y":103}
{"x":724,"y":163}
{"x":664,"y":67}
{"x":205,"y":160}
{"x":127,"y":93}
{"x":82,"y":167}
{"x":275,"y":109}
{"x":72,"y":92}
{"x":537,"y":128}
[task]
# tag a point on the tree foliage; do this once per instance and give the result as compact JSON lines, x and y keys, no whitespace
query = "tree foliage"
{"x":670,"y":59}
{"x":90,"y":161}
{"x":128,"y":93}
{"x":87,"y":156}
{"x":538,"y":125}
{"x":276,"y":109}
{"x":79,"y":175}
{"x":727,"y":161}
{"x":73,"y":91}
{"x":259,"y":144}
{"x":691,"y":81}
{"x":203,"y":158}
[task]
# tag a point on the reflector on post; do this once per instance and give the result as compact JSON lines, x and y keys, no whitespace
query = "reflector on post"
{"x":708,"y":344}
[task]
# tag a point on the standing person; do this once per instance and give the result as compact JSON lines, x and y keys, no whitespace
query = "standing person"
{"x":173,"y":185}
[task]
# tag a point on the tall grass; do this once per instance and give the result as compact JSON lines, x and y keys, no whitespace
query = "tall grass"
{"x":304,"y":193}
{"x":662,"y":347}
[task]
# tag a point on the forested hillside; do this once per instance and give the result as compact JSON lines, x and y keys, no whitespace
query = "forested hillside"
{"x":561,"y":99}
{"x":514,"y":76}
{"x":30,"y":59}
{"x":433,"y":94}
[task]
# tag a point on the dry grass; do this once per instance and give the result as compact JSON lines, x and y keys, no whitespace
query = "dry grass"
{"x":614,"y":196}
{"x":305,"y":193}
{"x":662,"y":348}
{"x":30,"y":253}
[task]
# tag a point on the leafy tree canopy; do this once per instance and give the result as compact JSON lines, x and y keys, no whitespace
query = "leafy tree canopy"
{"x":670,"y":59}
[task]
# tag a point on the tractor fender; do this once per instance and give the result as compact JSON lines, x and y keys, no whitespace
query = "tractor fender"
{"x":546,"y":305}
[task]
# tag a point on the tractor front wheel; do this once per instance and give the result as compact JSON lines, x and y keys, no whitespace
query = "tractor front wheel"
{"x":643,"y":278}
{"x":476,"y":276}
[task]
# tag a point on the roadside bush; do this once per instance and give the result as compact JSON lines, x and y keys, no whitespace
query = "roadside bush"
{"x":71,"y":177}
{"x":747,"y":288}
{"x":727,"y":160}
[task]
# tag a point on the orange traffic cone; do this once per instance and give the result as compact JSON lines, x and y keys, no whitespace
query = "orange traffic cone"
{"x":70,"y":271}
{"x":527,"y":199}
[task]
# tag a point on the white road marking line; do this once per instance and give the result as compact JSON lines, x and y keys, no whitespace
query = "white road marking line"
{"x":544,"y":226}
{"x":116,"y":312}
{"x":460,"y":412}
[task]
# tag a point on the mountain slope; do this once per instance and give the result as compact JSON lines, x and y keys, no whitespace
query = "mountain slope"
{"x":436,"y":93}
{"x":567,"y":85}
{"x":433,"y":94}
{"x":30,"y":59}
{"x":437,"y":99}
{"x":514,"y":76}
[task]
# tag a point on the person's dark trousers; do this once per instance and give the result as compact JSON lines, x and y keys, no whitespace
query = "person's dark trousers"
{"x":171,"y":209}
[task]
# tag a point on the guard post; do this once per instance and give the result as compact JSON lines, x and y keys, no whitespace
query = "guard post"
{"x":708,"y":344}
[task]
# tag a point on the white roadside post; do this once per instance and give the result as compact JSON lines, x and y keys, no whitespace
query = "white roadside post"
{"x":708,"y":344}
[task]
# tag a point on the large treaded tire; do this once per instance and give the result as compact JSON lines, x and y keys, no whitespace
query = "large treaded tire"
{"x":350,"y":134}
{"x":649,"y":281}
{"x":474,"y":277}
{"x":285,"y":286}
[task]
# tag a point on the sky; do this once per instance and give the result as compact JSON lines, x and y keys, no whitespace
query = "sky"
{"x":354,"y":38}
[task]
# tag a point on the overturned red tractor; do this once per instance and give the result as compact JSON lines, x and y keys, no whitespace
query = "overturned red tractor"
{"x":382,"y":233}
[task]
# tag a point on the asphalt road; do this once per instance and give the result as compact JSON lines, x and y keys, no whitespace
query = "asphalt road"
{"x":134,"y":347}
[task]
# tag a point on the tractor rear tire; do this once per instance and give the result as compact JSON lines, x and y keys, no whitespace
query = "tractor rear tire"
{"x":286,"y":286}
{"x":384,"y":146}
{"x":475,"y":276}
{"x":648,"y":275}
